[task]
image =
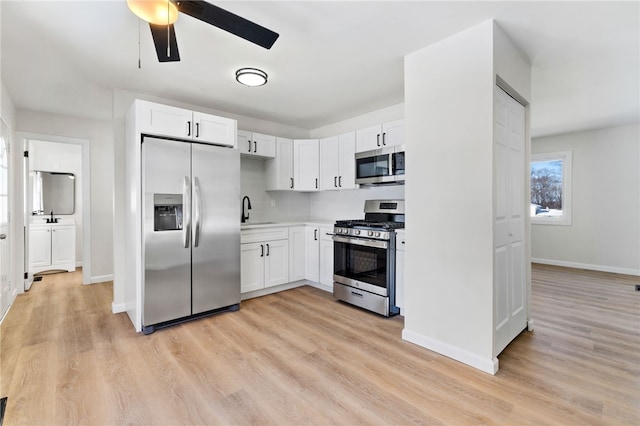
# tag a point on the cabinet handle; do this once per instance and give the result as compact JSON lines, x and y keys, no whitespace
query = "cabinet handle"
{"x":378,"y":139}
{"x":315,"y":235}
{"x":335,"y":181}
{"x":267,"y":249}
{"x":255,"y":146}
{"x":3,"y":236}
{"x":291,"y":183}
{"x":316,"y":183}
{"x":249,"y":146}
{"x":197,"y":130}
{"x":383,"y":138}
{"x":261,"y":250}
{"x":188,"y":128}
{"x":340,"y":181}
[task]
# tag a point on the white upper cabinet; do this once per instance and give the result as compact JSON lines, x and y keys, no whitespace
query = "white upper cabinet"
{"x":380,"y":136}
{"x":279,"y":171}
{"x":256,"y":144}
{"x":337,"y":162}
{"x":165,"y":120}
{"x":306,"y":165}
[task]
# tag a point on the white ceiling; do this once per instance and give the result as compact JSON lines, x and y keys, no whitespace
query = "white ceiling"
{"x":333,"y":60}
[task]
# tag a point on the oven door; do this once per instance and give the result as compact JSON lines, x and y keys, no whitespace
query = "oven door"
{"x":362,"y":263}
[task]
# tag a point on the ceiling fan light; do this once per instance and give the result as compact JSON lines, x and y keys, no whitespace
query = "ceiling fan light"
{"x":251,"y":77}
{"x":157,"y":12}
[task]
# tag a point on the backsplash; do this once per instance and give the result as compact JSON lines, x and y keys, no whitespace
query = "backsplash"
{"x":282,"y":206}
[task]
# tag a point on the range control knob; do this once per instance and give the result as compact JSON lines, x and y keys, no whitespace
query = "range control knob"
{"x":338,"y":230}
{"x":370,"y":233}
{"x":356,"y":232}
{"x":377,"y":234}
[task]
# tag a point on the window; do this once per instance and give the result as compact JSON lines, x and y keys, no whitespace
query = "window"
{"x":551,"y":188}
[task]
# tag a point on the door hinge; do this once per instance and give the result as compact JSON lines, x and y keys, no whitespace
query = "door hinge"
{"x":26,"y":154}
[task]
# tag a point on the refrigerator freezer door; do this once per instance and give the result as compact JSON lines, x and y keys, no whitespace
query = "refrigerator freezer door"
{"x":216,"y":256}
{"x":167,"y":262}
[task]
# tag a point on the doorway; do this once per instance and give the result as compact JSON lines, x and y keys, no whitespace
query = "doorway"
{"x":46,"y":142}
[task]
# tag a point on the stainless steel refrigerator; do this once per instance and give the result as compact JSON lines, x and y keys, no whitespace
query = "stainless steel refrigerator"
{"x":191,"y":231}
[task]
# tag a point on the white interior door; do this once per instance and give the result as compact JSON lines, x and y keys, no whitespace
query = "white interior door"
{"x":510,"y":313}
{"x":6,"y":288}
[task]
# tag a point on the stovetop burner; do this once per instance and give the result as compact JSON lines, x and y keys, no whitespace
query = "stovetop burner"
{"x":369,"y":224}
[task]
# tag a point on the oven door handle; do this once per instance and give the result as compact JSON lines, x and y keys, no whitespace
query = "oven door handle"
{"x":361,"y":242}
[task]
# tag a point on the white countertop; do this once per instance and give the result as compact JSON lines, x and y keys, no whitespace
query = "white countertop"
{"x":313,"y":222}
{"x":42,"y":220}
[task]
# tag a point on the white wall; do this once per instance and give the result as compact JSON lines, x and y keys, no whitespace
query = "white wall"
{"x":605,"y":229}
{"x":100,"y":135}
{"x":449,"y":90}
{"x":62,"y":158}
{"x":269,"y":206}
{"x":391,"y":113}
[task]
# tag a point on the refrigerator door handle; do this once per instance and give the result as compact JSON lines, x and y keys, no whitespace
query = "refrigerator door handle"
{"x":197,"y":205}
{"x":186,"y":196}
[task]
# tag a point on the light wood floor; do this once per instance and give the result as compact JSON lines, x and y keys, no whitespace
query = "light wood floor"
{"x":298,"y":357}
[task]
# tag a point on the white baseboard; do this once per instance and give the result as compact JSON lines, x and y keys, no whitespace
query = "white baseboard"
{"x":101,"y":278}
{"x":79,"y":264}
{"x":484,"y":364}
{"x":320,"y":286}
{"x":116,"y":308}
{"x":270,"y":290}
{"x":601,"y":268}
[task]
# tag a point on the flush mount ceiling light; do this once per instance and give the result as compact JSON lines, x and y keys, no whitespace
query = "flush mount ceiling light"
{"x":157,"y":12}
{"x":251,"y":77}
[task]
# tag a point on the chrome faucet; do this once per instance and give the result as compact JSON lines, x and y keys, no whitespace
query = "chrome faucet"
{"x":244,"y":217}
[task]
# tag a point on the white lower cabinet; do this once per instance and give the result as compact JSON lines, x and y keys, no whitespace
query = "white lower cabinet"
{"x":264,"y":261}
{"x":400,"y":243}
{"x":326,"y":255}
{"x":52,"y":247}
{"x":312,"y":253}
{"x":297,"y":253}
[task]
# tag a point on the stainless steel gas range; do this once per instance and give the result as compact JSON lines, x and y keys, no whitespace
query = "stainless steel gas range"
{"x":364,"y":271}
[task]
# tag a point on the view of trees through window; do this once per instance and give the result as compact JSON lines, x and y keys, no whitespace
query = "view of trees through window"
{"x":546,"y":188}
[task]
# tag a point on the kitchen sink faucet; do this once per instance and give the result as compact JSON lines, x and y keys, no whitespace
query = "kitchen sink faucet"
{"x":244,"y":217}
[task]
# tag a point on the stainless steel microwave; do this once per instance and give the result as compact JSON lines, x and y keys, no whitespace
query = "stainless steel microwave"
{"x":380,"y":166}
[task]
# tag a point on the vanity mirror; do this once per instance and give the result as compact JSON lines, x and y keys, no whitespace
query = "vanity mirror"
{"x":53,"y":192}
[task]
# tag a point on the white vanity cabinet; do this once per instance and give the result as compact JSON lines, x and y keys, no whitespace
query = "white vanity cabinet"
{"x":380,"y":136}
{"x":166,"y":120}
{"x":400,"y":243}
{"x":253,"y":144}
{"x":52,"y":247}
{"x":264,"y":258}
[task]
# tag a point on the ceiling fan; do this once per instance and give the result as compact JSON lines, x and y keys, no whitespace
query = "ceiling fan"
{"x":161,"y":14}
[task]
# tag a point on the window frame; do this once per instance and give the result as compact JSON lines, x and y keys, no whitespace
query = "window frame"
{"x":566,"y":158}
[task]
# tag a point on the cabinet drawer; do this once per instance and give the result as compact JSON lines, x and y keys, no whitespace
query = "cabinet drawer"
{"x":265,"y":234}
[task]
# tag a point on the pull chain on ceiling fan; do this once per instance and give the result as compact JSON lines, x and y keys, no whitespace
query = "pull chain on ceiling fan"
{"x":161,"y":20}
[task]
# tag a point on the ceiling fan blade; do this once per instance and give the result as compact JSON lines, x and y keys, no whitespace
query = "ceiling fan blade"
{"x":229,"y":22}
{"x":161,"y":40}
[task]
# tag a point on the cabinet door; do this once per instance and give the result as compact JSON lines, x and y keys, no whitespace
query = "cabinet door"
{"x":164,"y":120}
{"x":279,"y":171}
{"x":251,"y":267}
{"x":369,"y":138}
{"x":276,"y":269}
{"x":264,"y":145}
{"x":393,"y":133}
{"x":326,"y":256}
{"x":297,"y":251}
{"x":400,"y":244}
{"x":312,"y":253}
{"x":306,"y":165}
{"x":346,"y":155}
{"x":63,"y":246}
{"x":39,"y":246}
{"x":329,"y":163}
{"x":214,"y":129}
{"x":244,"y":145}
